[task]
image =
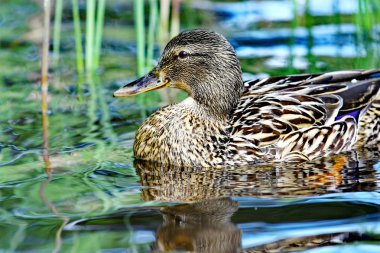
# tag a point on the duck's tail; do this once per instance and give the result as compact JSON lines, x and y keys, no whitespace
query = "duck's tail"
{"x":360,"y":100}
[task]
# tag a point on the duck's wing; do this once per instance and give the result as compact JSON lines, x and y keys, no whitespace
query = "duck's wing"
{"x":299,"y":82}
{"x":317,"y":141}
{"x":263,"y":120}
{"x":274,"y":107}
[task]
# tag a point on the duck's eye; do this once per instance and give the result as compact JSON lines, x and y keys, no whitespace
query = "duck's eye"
{"x":183,"y":54}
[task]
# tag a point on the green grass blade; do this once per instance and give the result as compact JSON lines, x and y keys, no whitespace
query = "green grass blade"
{"x":140,"y":46}
{"x":45,"y":86}
{"x":57,"y":30}
{"x":78,"y":39}
{"x":151,"y":32}
{"x":99,"y":31}
{"x":140,"y":35}
{"x":90,"y":24}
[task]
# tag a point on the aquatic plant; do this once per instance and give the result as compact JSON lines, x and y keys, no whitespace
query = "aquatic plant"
{"x":164,"y":22}
{"x":57,"y":30}
{"x":88,"y":57}
{"x":99,"y":31}
{"x":367,"y":17}
{"x":78,"y":39}
{"x":145,"y":41}
{"x":94,"y":24}
{"x":45,"y":85}
{"x":90,"y":32}
{"x":151,"y":32}
{"x":140,"y":35}
{"x":175,"y":24}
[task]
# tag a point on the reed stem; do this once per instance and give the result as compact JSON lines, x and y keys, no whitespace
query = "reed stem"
{"x":57,"y":30}
{"x":78,"y":39}
{"x":45,"y":85}
{"x":140,"y":35}
{"x":151,"y":32}
{"x":99,"y":31}
{"x":174,"y":29}
{"x":164,"y":24}
{"x":367,"y":17}
{"x":90,"y":24}
{"x":140,"y":47}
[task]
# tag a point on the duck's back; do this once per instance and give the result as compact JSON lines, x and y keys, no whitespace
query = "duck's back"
{"x":303,"y":117}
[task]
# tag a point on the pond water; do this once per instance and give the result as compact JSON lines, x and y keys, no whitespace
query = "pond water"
{"x":100,"y":200}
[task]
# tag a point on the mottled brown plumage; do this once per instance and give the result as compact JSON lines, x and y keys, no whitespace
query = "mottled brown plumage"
{"x":226,"y":122}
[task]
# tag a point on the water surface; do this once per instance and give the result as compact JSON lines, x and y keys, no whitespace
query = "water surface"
{"x":101,"y":200}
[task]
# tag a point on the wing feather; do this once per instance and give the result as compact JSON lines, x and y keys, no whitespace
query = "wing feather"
{"x":317,"y":141}
{"x":303,"y":112}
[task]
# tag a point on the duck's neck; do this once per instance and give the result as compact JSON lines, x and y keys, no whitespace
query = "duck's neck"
{"x":210,"y":114}
{"x":219,"y":102}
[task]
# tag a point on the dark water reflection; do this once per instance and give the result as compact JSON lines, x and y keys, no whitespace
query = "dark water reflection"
{"x":342,"y":173}
{"x":268,"y":208}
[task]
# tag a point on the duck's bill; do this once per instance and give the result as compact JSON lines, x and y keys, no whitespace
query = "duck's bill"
{"x":146,"y":83}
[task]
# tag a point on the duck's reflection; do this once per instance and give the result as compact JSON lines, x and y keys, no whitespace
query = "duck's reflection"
{"x":341,"y":173}
{"x":203,"y":226}
{"x":203,"y":222}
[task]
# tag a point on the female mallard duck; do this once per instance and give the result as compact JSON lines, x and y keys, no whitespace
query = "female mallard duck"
{"x":227,"y":122}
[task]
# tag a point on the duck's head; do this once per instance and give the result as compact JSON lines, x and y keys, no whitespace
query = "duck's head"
{"x":200,"y":62}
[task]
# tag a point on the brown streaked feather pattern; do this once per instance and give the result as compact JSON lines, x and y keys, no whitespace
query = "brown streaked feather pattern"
{"x":179,"y":135}
{"x":293,"y":118}
{"x":317,"y":141}
{"x":267,"y":118}
{"x":289,"y":119}
{"x":369,"y":126}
